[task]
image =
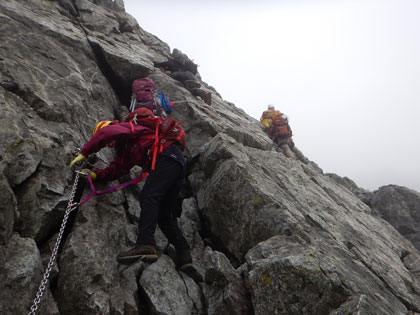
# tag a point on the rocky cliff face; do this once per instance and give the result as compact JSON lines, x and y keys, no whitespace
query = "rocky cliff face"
{"x":269,"y":234}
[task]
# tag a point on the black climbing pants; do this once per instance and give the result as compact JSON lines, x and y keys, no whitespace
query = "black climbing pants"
{"x":181,"y":76}
{"x":158,"y":198}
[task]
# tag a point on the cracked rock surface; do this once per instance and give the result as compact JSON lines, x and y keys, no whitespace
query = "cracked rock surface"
{"x":269,"y":234}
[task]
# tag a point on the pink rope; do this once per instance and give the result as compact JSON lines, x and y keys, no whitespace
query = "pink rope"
{"x":110,"y":189}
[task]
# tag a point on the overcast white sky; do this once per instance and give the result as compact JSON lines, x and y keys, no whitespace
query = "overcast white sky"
{"x":347,"y":73}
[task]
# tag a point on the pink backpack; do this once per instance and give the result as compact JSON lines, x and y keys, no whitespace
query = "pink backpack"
{"x":145,"y":95}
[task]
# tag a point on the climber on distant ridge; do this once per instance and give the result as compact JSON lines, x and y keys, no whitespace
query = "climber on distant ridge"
{"x":184,"y":70}
{"x":276,"y":124}
{"x":268,"y":115}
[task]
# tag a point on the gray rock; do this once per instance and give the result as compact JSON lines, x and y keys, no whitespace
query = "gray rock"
{"x":21,"y":274}
{"x":363,"y":194}
{"x":285,"y":238}
{"x":88,"y":266}
{"x":224,"y":288}
{"x":399,"y":206}
{"x":168,"y":291}
{"x":289,"y":276}
{"x":8,"y":210}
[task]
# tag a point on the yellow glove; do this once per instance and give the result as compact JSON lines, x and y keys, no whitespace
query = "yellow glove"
{"x":78,"y":158}
{"x":87,"y":172}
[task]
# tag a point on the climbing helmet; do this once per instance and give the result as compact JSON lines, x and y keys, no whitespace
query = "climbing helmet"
{"x":100,"y":125}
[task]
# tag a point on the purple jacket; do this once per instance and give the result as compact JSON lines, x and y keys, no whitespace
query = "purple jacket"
{"x":129,"y":151}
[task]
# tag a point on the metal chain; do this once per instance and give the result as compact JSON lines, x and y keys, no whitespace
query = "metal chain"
{"x":44,"y":281}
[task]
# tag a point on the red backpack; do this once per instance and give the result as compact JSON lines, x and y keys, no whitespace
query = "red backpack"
{"x":280,"y":127}
{"x":167,"y":131}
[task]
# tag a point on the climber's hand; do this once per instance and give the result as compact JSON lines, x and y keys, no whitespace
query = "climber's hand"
{"x":85,"y":172}
{"x":77,"y":159}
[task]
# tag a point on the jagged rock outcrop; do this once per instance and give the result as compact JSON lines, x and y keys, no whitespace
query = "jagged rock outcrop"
{"x":269,"y":234}
{"x":365,"y":195}
{"x":399,"y":206}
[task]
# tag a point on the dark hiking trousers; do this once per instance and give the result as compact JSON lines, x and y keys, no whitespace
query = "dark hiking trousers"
{"x":157,"y":199}
{"x":181,"y":76}
{"x":198,"y":92}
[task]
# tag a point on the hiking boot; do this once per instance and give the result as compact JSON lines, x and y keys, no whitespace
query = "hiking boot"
{"x":207,"y":98}
{"x":182,"y":259}
{"x":191,"y":84}
{"x":147,"y":253}
{"x":183,"y":262}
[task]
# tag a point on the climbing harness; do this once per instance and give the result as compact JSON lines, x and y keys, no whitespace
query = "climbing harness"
{"x":70,"y":207}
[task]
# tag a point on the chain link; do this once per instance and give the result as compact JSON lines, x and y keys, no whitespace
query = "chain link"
{"x":44,"y":281}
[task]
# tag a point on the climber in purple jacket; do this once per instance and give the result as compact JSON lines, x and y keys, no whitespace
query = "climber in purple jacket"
{"x":159,"y":194}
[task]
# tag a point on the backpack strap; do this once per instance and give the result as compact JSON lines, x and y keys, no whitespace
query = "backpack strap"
{"x":133,"y":102}
{"x":157,"y":146}
{"x":181,"y":133}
